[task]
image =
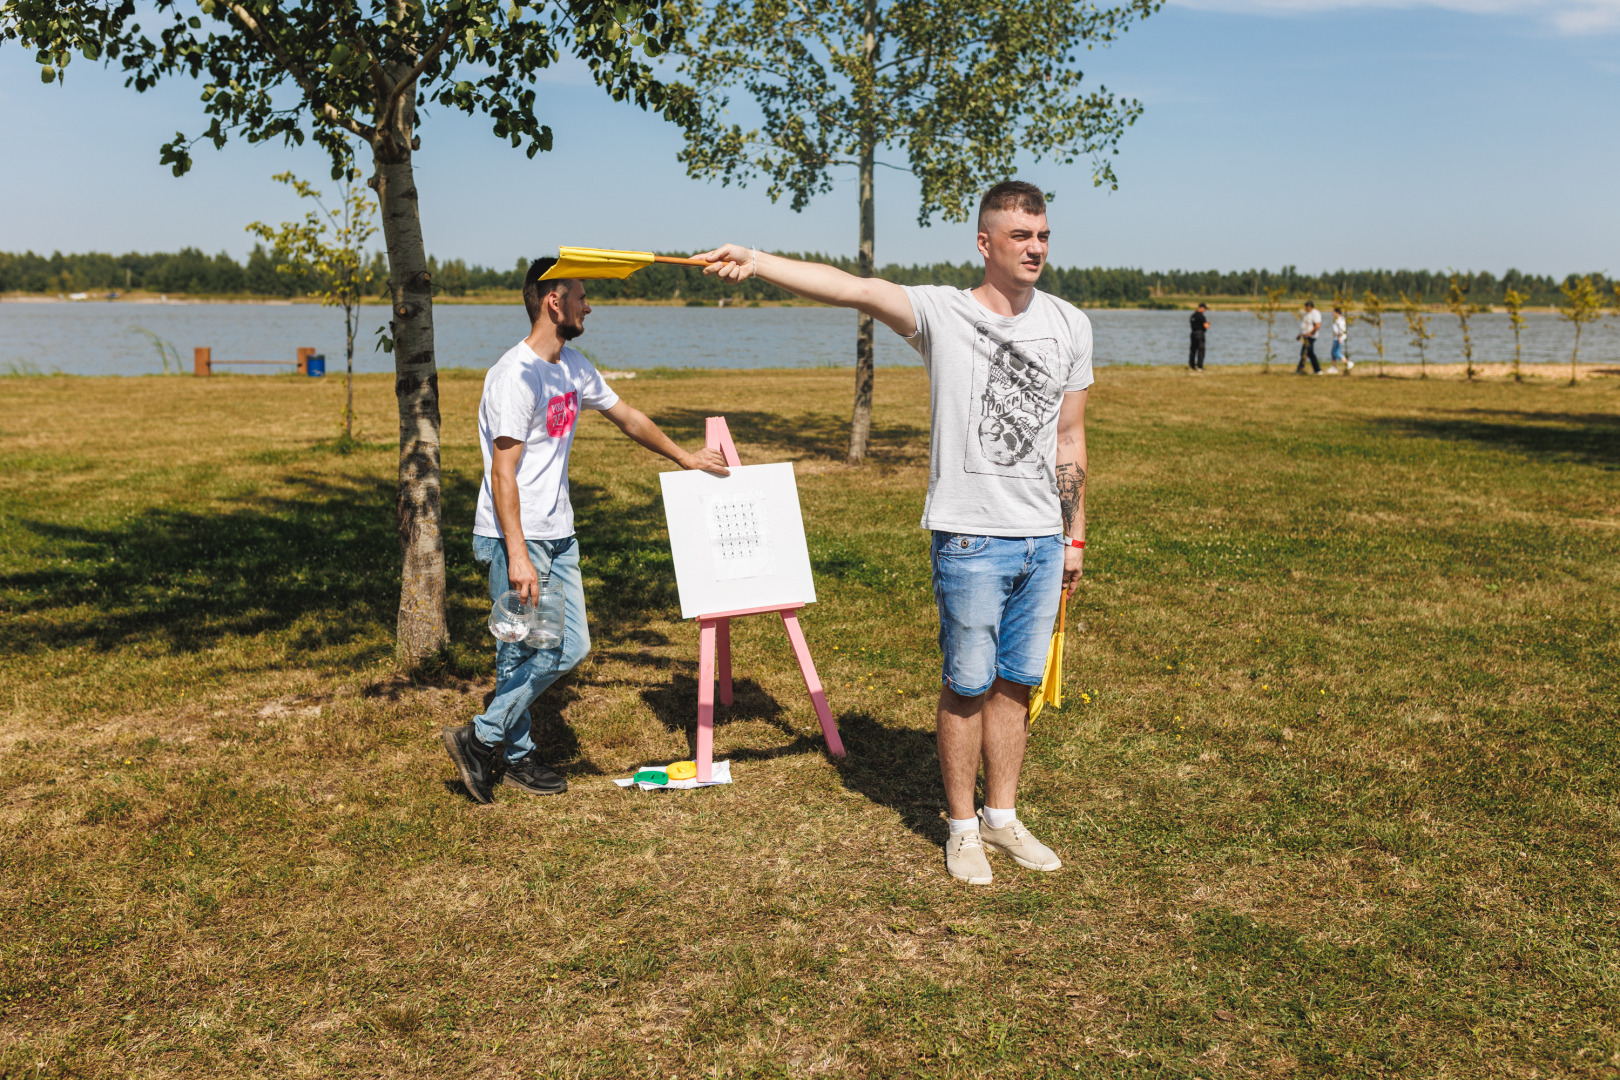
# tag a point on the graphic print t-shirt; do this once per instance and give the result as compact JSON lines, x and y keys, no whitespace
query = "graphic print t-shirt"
{"x":538,"y":403}
{"x":995,"y":387}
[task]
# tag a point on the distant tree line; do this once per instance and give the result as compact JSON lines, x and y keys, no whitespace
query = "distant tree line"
{"x":189,"y":271}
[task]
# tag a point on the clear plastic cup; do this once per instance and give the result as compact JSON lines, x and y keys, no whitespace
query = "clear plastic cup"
{"x":550,"y":616}
{"x":538,"y":624}
{"x":510,"y":619}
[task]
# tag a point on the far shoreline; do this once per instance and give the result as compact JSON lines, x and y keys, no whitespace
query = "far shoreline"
{"x":1221,"y":304}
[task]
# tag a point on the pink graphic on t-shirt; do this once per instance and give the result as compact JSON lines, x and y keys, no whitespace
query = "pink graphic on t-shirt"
{"x":560,"y":413}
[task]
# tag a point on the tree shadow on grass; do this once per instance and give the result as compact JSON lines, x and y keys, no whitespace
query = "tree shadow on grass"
{"x":804,"y":434}
{"x":897,"y":767}
{"x":323,"y":560}
{"x":1584,"y":438}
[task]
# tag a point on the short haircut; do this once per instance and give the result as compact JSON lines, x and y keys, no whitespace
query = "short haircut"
{"x":1012,"y":195}
{"x":1202,"y":306}
{"x":1339,"y":309}
{"x":1310,"y":303}
{"x":535,"y":291}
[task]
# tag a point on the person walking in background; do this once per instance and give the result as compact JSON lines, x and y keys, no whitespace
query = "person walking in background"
{"x":1195,"y":351}
{"x":1309,"y":323}
{"x":1341,"y":344}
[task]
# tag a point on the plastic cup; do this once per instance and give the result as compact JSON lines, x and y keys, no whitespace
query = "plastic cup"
{"x":510,"y":619}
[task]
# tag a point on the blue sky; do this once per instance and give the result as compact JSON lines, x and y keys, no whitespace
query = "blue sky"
{"x":1458,"y":134}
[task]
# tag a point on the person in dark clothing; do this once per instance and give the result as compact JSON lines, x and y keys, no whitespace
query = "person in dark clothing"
{"x":1309,"y":323}
{"x":1195,"y":351}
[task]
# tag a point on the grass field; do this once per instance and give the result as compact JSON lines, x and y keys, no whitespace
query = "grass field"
{"x":1336,"y":783}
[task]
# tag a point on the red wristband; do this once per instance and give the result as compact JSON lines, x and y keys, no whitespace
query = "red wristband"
{"x":1074,"y":543}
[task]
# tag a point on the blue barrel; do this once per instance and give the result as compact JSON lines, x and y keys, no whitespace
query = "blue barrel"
{"x":315,"y":367}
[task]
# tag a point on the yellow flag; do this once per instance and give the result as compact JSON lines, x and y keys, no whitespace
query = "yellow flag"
{"x":581,"y":262}
{"x":1050,"y":692}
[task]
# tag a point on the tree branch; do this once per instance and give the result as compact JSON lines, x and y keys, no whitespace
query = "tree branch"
{"x":323,"y":109}
{"x":391,"y":103}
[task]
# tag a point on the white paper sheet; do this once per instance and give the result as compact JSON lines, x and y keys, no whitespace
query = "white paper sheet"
{"x":739,"y":535}
{"x":720,"y":772}
{"x":737,"y":541}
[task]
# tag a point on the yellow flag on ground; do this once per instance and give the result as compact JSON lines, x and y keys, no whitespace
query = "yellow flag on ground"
{"x":583,"y":262}
{"x":1050,"y":692}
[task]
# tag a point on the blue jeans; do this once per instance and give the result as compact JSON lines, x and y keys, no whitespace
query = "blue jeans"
{"x":522,"y":672}
{"x":1338,"y":351}
{"x":998,"y":598}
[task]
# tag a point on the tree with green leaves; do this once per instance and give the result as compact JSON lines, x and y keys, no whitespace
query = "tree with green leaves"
{"x":963,"y":88}
{"x":328,"y":250}
{"x":1372,"y":308}
{"x":1514,"y":301}
{"x":1417,"y":326}
{"x":1266,"y":311}
{"x":1458,"y":304}
{"x":364,"y":71}
{"x":1580,"y":305}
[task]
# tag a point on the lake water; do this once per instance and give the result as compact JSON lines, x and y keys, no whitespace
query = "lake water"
{"x":107,"y":338}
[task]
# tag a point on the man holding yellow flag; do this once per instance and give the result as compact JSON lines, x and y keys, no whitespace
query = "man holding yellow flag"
{"x":1008,"y":372}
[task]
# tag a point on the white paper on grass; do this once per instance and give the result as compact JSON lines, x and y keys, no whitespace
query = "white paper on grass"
{"x":737,"y":541}
{"x":719,"y":773}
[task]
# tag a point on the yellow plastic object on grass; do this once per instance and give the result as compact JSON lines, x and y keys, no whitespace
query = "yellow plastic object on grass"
{"x":1051,"y":689}
{"x":583,"y":262}
{"x":681,"y":770}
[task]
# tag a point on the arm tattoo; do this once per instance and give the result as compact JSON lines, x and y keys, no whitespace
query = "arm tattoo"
{"x":1070,"y":479}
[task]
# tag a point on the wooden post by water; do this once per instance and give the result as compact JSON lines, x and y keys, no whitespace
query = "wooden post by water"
{"x":202,"y":361}
{"x":303,"y":360}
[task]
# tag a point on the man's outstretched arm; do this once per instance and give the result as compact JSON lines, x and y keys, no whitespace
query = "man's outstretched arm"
{"x":636,"y":424}
{"x":883,"y":300}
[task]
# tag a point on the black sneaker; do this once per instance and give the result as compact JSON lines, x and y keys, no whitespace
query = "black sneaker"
{"x":534,"y":776}
{"x":478,"y":762}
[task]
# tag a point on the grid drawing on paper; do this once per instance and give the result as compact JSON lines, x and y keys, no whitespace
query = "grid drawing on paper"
{"x":739,"y":536}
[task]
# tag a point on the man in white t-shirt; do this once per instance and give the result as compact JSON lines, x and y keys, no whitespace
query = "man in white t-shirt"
{"x":1310,"y":321}
{"x":1008,"y":369}
{"x":1341,"y":343}
{"x":524,"y":529}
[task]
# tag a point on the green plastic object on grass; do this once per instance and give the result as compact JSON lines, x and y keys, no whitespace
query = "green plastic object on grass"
{"x":651,"y":776}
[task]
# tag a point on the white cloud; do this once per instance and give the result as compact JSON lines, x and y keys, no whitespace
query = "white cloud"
{"x":1568,"y":16}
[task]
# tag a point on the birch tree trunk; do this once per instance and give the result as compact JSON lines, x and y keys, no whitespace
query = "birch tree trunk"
{"x":860,"y":426}
{"x":421,"y":631}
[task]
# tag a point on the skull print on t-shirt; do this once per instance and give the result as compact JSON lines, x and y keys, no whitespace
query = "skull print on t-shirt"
{"x":1015,"y":395}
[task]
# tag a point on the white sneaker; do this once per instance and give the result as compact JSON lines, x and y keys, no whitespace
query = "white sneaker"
{"x":964,"y":858}
{"x":1016,"y":841}
{"x":1349,"y":365}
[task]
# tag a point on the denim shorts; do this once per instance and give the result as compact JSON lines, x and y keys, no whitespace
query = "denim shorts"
{"x":998,"y":598}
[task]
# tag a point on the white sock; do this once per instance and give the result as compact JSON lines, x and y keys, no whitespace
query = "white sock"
{"x":964,"y":825}
{"x":999,"y":819}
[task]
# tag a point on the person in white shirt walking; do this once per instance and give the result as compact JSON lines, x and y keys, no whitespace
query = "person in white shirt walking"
{"x":1341,"y":344}
{"x":524,"y":528}
{"x":1309,"y":323}
{"x":1008,"y":371}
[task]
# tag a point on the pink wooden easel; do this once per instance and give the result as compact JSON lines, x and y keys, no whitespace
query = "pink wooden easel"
{"x":714,"y":638}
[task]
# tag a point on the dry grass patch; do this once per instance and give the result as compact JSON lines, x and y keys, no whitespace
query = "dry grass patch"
{"x":1334,"y":783}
